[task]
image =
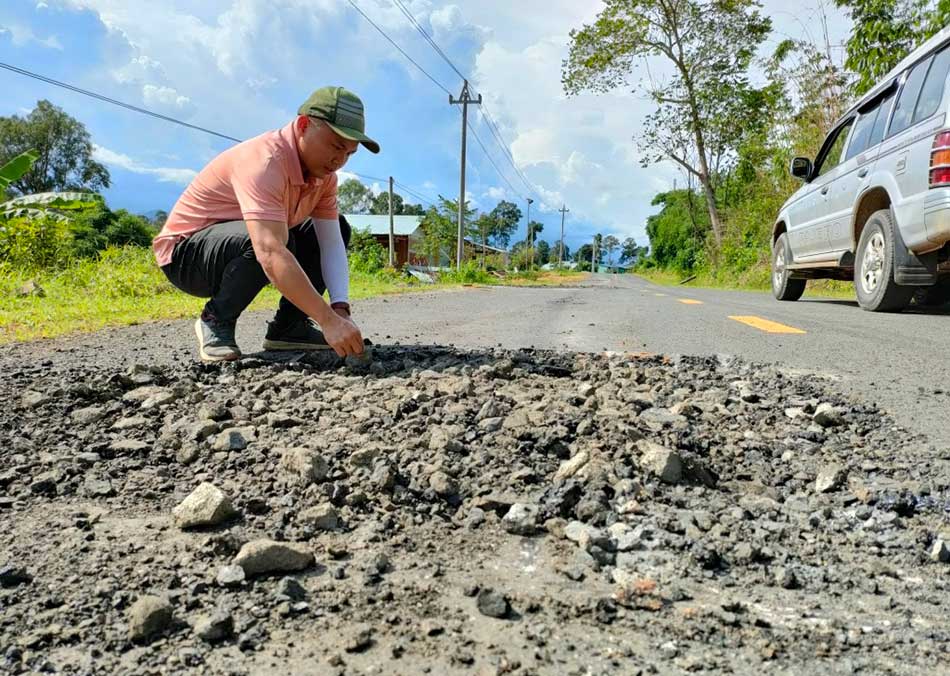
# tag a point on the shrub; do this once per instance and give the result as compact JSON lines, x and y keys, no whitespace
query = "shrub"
{"x":366,"y":254}
{"x":34,"y":243}
{"x":469,"y":273}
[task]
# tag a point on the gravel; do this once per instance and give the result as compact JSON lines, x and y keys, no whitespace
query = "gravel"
{"x":620,"y":513}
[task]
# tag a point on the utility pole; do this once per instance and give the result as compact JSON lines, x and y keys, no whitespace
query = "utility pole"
{"x":464,"y":99}
{"x":392,"y":234}
{"x":560,"y":250}
{"x":530,"y":237}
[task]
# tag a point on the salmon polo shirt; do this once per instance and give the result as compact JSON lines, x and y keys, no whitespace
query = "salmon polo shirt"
{"x":259,"y":179}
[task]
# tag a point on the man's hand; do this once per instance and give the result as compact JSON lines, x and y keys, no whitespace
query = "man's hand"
{"x":342,"y":309}
{"x":343,"y":336}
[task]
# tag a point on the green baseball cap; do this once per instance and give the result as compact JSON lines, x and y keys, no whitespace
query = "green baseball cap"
{"x":343,"y":111}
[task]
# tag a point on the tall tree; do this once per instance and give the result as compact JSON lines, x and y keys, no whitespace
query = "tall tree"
{"x":542,"y":251}
{"x":353,"y":197}
{"x":885,"y":31}
{"x":484,"y":225}
{"x":64,"y":149}
{"x":505,"y":217}
{"x":534,"y":229}
{"x":380,"y":204}
{"x":701,"y":109}
{"x":610,"y":245}
{"x":629,"y":251}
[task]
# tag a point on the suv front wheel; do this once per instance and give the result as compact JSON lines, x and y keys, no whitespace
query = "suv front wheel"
{"x":874,"y":267}
{"x":783,"y":286}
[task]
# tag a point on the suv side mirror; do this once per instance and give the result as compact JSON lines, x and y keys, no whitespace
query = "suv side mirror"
{"x":801,"y":168}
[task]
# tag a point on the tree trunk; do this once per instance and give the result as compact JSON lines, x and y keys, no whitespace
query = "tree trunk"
{"x":713,"y":209}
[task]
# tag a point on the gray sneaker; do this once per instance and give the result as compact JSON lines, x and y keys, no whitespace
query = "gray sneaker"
{"x":216,"y":339}
{"x":299,"y":335}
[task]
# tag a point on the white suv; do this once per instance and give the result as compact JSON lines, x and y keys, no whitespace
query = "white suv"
{"x":875,"y":206}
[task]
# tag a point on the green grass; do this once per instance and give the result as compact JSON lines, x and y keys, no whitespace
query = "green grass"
{"x":754,"y":282}
{"x":123,"y":287}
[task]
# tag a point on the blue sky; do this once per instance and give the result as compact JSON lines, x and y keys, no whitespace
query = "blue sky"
{"x":241,"y":67}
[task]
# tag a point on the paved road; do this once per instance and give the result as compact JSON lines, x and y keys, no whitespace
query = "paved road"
{"x":897,"y":361}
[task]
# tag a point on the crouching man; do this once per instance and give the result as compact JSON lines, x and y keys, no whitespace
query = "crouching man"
{"x":266,"y":211}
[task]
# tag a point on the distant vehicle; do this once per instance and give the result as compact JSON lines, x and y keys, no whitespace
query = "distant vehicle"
{"x":875,"y":206}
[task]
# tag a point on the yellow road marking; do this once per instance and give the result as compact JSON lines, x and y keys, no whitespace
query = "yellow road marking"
{"x":765,"y":324}
{"x":690,"y":301}
{"x":660,"y":295}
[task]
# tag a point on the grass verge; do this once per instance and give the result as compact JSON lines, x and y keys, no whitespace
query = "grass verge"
{"x":123,"y":287}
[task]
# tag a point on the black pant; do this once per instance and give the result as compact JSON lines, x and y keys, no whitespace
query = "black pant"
{"x":219,"y":263}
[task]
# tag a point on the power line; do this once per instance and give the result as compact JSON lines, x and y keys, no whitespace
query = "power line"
{"x":145,"y":111}
{"x":485,"y":150}
{"x":492,"y":127}
{"x":415,"y":193}
{"x":401,"y":50}
{"x":86,"y":92}
{"x":427,"y":37}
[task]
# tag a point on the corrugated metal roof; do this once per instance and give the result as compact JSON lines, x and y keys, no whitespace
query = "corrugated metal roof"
{"x":379,"y":225}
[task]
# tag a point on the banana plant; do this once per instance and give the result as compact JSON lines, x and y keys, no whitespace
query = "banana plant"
{"x":15,"y":168}
{"x":48,"y":204}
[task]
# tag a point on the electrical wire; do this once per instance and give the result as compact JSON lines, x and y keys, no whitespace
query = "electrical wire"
{"x":492,"y":126}
{"x":401,"y":50}
{"x":92,"y":94}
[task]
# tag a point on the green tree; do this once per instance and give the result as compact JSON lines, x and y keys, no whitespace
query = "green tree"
{"x":158,"y":220}
{"x":380,"y":204}
{"x":553,"y":255}
{"x":677,"y":233}
{"x":885,"y":31}
{"x":505,"y":218}
{"x":438,"y":237}
{"x":629,"y":251}
{"x":610,"y":245}
{"x":353,"y":197}
{"x":542,"y":251}
{"x":409,"y":209}
{"x":63,"y":148}
{"x":702,"y":107}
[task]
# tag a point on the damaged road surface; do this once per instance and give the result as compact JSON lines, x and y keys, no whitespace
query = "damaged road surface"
{"x":464,"y":512}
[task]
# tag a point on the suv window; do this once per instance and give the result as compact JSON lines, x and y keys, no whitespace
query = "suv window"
{"x":834,"y":146}
{"x":862,"y":133}
{"x":883,"y":110}
{"x":904,"y":112}
{"x":932,"y":91}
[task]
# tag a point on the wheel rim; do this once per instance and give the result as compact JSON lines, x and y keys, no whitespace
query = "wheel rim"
{"x":872,"y":264}
{"x":778,"y":276}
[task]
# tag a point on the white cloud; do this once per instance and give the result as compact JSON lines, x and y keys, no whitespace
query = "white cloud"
{"x":496,"y":193}
{"x":24,"y":35}
{"x":163,"y":174}
{"x":165,"y":97}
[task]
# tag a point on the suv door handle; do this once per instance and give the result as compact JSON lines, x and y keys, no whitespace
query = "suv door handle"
{"x":862,"y":172}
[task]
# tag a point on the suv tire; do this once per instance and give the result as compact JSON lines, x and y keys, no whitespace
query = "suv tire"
{"x":874,"y":267}
{"x":783,"y":286}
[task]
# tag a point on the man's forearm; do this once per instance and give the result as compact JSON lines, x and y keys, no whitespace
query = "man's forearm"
{"x":285,"y":273}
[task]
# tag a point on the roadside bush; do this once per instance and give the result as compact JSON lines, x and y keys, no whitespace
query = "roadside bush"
{"x":35,"y":243}
{"x":98,"y":227}
{"x":366,"y":254}
{"x":117,"y":272}
{"x":470,"y":273}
